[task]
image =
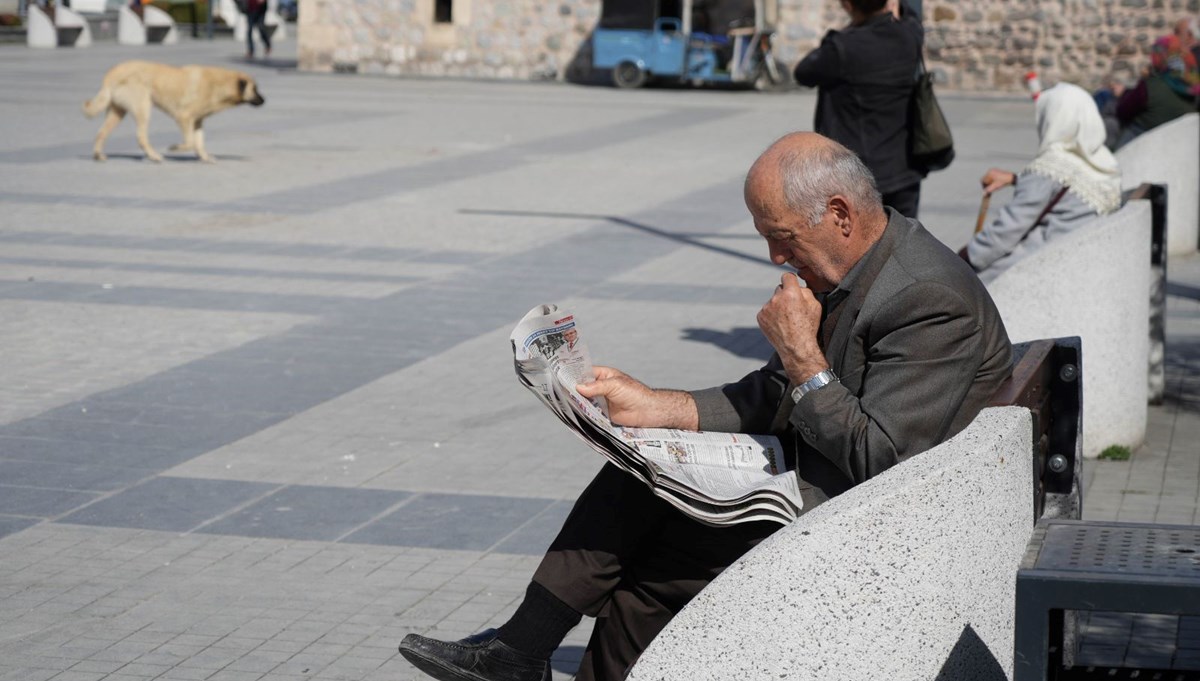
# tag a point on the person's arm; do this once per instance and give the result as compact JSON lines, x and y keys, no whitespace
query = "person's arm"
{"x":821,"y":66}
{"x":1002,"y":235}
{"x":924,"y":351}
{"x":1132,"y":103}
{"x":633,"y":403}
{"x":789,"y":321}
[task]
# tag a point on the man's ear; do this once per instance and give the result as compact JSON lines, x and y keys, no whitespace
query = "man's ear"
{"x":842,"y":213}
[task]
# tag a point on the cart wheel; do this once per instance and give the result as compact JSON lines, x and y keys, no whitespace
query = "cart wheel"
{"x":629,"y":75}
{"x":772,"y":76}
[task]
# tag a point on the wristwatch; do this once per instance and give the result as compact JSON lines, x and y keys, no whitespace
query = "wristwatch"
{"x":821,"y":380}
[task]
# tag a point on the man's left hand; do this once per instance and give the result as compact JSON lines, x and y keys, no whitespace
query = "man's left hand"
{"x":790,"y":320}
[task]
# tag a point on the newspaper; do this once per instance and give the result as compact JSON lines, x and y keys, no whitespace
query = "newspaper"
{"x":716,"y":478}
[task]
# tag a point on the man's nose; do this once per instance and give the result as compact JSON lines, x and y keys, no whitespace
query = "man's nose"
{"x":778,"y":253}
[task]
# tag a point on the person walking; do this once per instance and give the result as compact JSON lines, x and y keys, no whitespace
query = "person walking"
{"x":865,"y":75}
{"x":256,"y":17}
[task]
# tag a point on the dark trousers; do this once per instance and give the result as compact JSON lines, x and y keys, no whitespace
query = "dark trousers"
{"x":257,"y":18}
{"x":632,"y":561}
{"x":905,"y":200}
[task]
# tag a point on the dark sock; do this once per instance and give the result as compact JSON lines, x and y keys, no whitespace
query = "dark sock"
{"x":540,"y":623}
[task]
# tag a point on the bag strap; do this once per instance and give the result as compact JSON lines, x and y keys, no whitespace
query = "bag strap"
{"x":1046,"y":210}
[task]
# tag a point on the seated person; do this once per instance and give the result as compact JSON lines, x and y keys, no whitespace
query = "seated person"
{"x":1073,"y":179}
{"x":1166,"y":93}
{"x":893,"y":347}
{"x":1106,"y":98}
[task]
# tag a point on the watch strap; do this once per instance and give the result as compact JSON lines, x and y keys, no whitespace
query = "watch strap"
{"x":820,"y":380}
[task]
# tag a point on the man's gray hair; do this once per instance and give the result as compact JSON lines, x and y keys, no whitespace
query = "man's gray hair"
{"x":811,"y":177}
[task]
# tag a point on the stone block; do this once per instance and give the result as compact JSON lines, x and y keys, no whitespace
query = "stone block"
{"x":942,"y":13}
{"x":1068,"y":288}
{"x":1169,"y":154}
{"x":937,"y":538}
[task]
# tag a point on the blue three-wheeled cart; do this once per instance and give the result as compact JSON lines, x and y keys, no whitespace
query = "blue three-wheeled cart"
{"x":697,"y":41}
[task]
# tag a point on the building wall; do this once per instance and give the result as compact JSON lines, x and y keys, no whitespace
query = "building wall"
{"x":521,"y":39}
{"x":970,"y":44}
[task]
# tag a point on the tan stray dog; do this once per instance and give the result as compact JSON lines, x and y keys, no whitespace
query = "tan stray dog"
{"x":188,"y":94}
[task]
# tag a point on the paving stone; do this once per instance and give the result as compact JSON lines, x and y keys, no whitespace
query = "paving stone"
{"x":435,"y":521}
{"x":174,"y":504}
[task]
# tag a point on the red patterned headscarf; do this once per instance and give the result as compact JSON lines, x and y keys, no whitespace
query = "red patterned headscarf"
{"x":1175,"y":65}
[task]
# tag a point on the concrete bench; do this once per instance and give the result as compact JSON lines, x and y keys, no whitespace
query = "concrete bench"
{"x":1093,"y":283}
{"x":908,"y":576}
{"x":64,"y":29}
{"x":153,"y":27}
{"x":1170,"y":155}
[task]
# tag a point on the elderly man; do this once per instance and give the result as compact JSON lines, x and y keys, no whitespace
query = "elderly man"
{"x":892,"y":348}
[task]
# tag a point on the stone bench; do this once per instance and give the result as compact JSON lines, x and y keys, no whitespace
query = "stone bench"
{"x":1093,"y":283}
{"x":153,"y":27}
{"x":1170,"y":155}
{"x":908,"y":576}
{"x":65,"y":29}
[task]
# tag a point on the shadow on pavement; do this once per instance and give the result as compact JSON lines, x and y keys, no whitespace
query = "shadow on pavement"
{"x":690,"y":239}
{"x":743,"y":341}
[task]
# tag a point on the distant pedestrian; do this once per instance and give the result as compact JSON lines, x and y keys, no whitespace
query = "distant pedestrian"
{"x":256,"y":17}
{"x":1166,"y":93}
{"x":1185,"y":30}
{"x":865,"y":74}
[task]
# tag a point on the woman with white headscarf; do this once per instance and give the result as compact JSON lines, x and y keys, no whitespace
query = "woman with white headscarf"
{"x":1073,"y":179}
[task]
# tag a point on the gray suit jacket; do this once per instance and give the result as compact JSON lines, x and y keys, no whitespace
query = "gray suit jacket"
{"x":919,"y":348}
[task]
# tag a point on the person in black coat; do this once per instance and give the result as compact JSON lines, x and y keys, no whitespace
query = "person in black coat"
{"x":865,"y":74}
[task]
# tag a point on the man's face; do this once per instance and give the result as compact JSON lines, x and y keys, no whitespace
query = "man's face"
{"x":814,"y":251}
{"x":571,"y":335}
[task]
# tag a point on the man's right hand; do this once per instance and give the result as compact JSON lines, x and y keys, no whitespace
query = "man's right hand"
{"x":633,"y":403}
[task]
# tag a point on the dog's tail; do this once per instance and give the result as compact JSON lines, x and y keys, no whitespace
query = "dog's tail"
{"x":98,"y":103}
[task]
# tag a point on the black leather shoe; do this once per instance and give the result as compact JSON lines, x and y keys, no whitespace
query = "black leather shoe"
{"x":481,"y":657}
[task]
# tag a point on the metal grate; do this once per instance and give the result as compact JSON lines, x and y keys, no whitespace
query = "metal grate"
{"x":1122,"y":549}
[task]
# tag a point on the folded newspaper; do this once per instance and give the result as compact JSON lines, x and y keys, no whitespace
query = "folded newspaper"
{"x":717,"y":478}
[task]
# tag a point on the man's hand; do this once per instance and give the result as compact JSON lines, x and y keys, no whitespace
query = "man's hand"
{"x":633,"y":403}
{"x":995,"y":179}
{"x":790,"y":321}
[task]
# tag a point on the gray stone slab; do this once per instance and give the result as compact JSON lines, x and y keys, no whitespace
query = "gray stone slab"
{"x":39,"y":501}
{"x":12,"y":525}
{"x":393,"y":181}
{"x":69,"y":476}
{"x":170,"y":504}
{"x":258,"y":273}
{"x":451,"y":521}
{"x":307,"y":512}
{"x":231,"y":247}
{"x":82,"y":452}
{"x":534,"y":537}
{"x":194,"y":299}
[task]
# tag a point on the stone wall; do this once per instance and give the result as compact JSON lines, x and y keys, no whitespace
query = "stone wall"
{"x":507,"y":39}
{"x":991,"y":45}
{"x":971,"y":44}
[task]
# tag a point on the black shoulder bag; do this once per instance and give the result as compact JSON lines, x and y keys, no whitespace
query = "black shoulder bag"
{"x":929,"y":134}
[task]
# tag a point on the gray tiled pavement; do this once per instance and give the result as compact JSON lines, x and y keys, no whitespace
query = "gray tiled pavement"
{"x":258,"y":420}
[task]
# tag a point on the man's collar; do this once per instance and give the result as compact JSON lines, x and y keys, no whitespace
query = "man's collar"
{"x":864,"y":264}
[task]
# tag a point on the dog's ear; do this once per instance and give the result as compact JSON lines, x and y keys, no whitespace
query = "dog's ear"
{"x":242,"y":83}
